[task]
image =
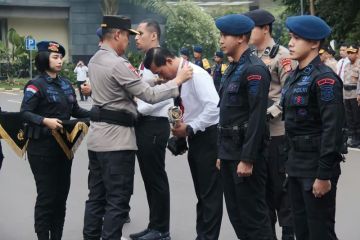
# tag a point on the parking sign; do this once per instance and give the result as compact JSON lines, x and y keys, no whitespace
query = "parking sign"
{"x":30,"y":43}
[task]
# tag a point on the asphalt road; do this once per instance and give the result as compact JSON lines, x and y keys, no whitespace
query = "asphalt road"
{"x":18,"y":193}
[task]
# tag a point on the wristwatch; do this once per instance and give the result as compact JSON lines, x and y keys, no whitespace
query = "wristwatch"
{"x":189,"y":131}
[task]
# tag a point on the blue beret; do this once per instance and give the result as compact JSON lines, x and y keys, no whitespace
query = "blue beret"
{"x":235,"y":24}
{"x":219,"y":54}
{"x":261,"y":17}
{"x":185,"y":51}
{"x":50,"y":46}
{"x":198,"y":49}
{"x":308,"y":27}
{"x":99,"y":32}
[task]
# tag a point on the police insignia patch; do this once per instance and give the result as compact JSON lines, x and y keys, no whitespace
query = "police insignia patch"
{"x":30,"y":91}
{"x":253,"y":81}
{"x":286,"y":64}
{"x":326,"y":89}
{"x":131,"y":67}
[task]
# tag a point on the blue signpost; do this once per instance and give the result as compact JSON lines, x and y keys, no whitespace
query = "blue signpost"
{"x":30,"y":45}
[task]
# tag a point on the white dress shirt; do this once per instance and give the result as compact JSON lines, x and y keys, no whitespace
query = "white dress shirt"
{"x":200,"y":99}
{"x":81,"y":73}
{"x":341,"y":66}
{"x":158,"y":109}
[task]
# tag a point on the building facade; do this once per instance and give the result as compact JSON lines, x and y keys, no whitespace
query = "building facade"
{"x":72,"y":23}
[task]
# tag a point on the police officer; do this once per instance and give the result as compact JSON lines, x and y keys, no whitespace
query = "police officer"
{"x":185,"y":53}
{"x":326,"y":54}
{"x":218,"y":69}
{"x":111,"y":139}
{"x":199,"y":60}
{"x":352,"y":109}
{"x":276,"y":58}
{"x":242,"y":130}
{"x":48,"y":100}
{"x":312,"y":102}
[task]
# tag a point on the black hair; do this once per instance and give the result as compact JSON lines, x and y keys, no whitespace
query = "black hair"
{"x":42,"y":60}
{"x":270,"y":28}
{"x":247,"y":35}
{"x":154,"y":25}
{"x":157,"y":56}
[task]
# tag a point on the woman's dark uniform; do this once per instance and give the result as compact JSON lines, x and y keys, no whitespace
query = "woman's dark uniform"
{"x":313,"y":111}
{"x":46,"y":97}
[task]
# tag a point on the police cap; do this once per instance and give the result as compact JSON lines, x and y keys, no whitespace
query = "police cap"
{"x":118,"y":22}
{"x":261,"y":17}
{"x":185,"y":51}
{"x":308,"y":27}
{"x":50,"y":46}
{"x":235,"y":24}
{"x":352,"y":48}
{"x":198,"y":49}
{"x":219,"y":54}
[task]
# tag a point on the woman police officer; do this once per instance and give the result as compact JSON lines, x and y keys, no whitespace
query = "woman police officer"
{"x":49,"y":99}
{"x":313,"y":111}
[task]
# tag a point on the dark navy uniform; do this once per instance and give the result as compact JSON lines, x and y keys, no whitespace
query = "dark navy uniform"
{"x":45,"y":97}
{"x":242,"y":133}
{"x":314,"y":117}
{"x":201,"y":62}
{"x":313,"y":111}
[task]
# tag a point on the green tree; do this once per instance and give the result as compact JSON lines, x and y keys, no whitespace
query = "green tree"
{"x":342,"y":15}
{"x":14,"y":56}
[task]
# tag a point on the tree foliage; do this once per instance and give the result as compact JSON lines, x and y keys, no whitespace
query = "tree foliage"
{"x":186,"y":25}
{"x":342,"y":15}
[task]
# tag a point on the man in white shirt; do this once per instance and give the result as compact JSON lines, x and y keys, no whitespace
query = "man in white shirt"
{"x":340,"y":67}
{"x":201,"y":116}
{"x":152,"y":133}
{"x":81,"y":75}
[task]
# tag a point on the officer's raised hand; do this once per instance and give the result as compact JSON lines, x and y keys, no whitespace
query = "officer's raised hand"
{"x":321,"y":187}
{"x":86,"y":89}
{"x":244,"y":169}
{"x":53,"y":123}
{"x":184,"y":74}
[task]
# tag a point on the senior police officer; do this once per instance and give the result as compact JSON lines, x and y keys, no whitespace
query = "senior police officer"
{"x":242,"y":131}
{"x":276,"y":57}
{"x":352,"y":109}
{"x":49,"y":99}
{"x":199,"y":60}
{"x":312,"y":102}
{"x":111,"y":139}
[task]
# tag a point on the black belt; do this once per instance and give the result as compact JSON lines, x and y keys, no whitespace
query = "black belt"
{"x":230,"y":130}
{"x":152,"y":118}
{"x":350,"y":87}
{"x":121,"y":117}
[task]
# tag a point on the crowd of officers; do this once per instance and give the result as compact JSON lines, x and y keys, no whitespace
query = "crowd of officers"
{"x":266,"y":132}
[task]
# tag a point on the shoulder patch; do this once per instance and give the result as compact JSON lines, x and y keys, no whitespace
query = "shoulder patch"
{"x":30,"y":91}
{"x":254,"y":77}
{"x":286,"y":64}
{"x":205,"y":63}
{"x":254,"y":82}
{"x":131,"y":67}
{"x":326,"y":89}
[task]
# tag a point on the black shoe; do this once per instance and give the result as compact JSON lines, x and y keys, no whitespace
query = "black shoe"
{"x":43,"y":235}
{"x":155,"y":235}
{"x":135,"y":236}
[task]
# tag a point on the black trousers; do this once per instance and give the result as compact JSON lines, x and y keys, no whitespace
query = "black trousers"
{"x":314,"y":218}
{"x":78,"y":83}
{"x":202,"y":158}
{"x":111,"y":180}
{"x":52,"y":177}
{"x":352,"y":113}
{"x":152,"y":134}
{"x":246,"y":201}
{"x":277,"y":197}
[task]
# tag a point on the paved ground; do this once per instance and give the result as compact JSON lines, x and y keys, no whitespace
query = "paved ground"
{"x":18,"y":192}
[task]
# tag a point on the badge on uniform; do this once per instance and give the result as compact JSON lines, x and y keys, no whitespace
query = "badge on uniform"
{"x":131,"y":67}
{"x":30,"y":91}
{"x":326,"y":89}
{"x":254,"y":81}
{"x":286,"y":64}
